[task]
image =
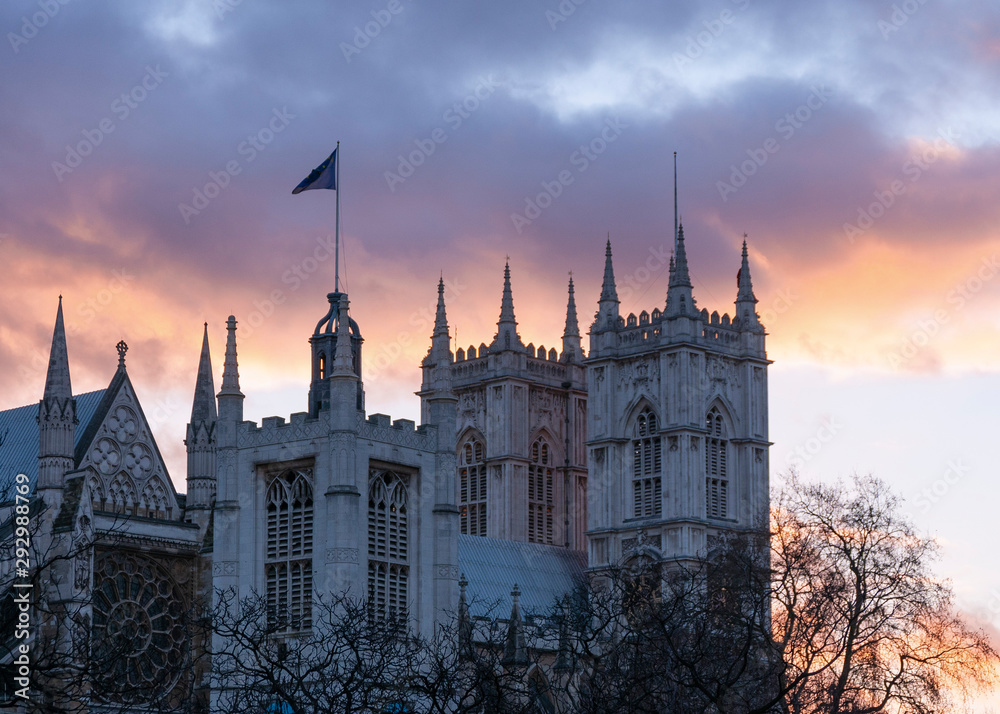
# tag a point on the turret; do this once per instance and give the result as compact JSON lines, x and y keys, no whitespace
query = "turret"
{"x":437,"y":400}
{"x":230,"y":396}
{"x":572,"y":351}
{"x":345,"y":391}
{"x":680,"y":300}
{"x":515,"y":651}
{"x":746,"y":302}
{"x":56,"y":419}
{"x":607,"y":306}
{"x":201,"y":437}
{"x":324,"y":348}
{"x":507,"y":337}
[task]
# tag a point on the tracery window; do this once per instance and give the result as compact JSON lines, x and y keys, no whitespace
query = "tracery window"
{"x":716,"y":466}
{"x":288,"y":561}
{"x":140,"y":642}
{"x":472,"y":488}
{"x":388,"y":545}
{"x":541,"y":476}
{"x":647,"y":466}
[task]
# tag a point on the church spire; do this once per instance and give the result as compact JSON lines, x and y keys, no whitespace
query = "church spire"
{"x":506,"y":337}
{"x":203,"y":407}
{"x":440,"y":339}
{"x":680,"y":299}
{"x":607,"y":306}
{"x":746,"y":301}
{"x":230,"y":396}
{"x":201,"y":439}
{"x":515,"y":652}
{"x":571,"y":348}
{"x":57,"y":382}
{"x":609,"y":292}
{"x":56,"y":415}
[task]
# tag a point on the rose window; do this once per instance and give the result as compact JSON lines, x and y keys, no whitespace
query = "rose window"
{"x":124,"y":424}
{"x":139,"y":637}
{"x":106,"y":456}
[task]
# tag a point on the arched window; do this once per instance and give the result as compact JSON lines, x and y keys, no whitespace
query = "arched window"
{"x":288,"y":561}
{"x":647,"y":466}
{"x":541,"y":477}
{"x":472,"y":488}
{"x":388,"y":545}
{"x":716,"y":467}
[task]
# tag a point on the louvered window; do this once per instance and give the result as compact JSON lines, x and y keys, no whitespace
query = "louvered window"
{"x":388,"y":545}
{"x":541,"y":477}
{"x":716,"y":467}
{"x":288,"y":562}
{"x":647,"y":466}
{"x":472,"y":488}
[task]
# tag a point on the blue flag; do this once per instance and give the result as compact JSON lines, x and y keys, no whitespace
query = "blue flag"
{"x":323,"y":176}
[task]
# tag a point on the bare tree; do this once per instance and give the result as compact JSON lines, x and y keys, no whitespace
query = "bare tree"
{"x":860,"y":622}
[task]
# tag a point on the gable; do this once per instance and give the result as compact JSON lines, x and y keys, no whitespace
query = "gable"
{"x":127,"y":475}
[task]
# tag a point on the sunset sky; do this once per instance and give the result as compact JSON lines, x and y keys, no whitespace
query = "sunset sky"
{"x":149,"y":151}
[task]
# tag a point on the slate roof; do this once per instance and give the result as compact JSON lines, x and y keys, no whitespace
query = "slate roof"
{"x":543,"y":574}
{"x":19,"y":439}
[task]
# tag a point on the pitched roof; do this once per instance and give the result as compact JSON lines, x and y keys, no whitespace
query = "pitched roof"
{"x":19,"y":438}
{"x":543,"y":573}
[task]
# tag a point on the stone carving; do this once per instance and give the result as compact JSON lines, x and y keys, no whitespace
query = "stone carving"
{"x":225,"y":567}
{"x":449,"y":572}
{"x":341,"y":555}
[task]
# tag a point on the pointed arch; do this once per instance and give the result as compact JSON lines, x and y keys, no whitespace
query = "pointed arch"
{"x":154,"y":501}
{"x":472,"y":483}
{"x":539,"y":691}
{"x":388,"y":545}
{"x":718,"y":430}
{"x":541,"y":488}
{"x":288,"y":559}
{"x":727,"y":411}
{"x":639,"y":404}
{"x":647,"y":464}
{"x":120,"y":495}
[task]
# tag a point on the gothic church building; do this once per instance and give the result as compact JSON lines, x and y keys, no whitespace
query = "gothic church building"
{"x":532,"y":467}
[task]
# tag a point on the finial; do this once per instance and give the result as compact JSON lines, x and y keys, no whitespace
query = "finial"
{"x":515,"y":593}
{"x":122,"y":349}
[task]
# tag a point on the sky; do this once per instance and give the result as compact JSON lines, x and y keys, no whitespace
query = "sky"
{"x":149,"y":151}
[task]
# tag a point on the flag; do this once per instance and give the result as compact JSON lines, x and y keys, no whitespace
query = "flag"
{"x":323,"y":176}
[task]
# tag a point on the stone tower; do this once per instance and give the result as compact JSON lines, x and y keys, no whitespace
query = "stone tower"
{"x":520,"y":419}
{"x":677,"y":428}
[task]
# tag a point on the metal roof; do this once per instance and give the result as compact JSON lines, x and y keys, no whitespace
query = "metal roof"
{"x":19,"y":438}
{"x":543,"y":574}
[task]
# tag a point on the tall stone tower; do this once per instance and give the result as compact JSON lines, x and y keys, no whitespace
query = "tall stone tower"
{"x":520,"y":427}
{"x":677,"y":427}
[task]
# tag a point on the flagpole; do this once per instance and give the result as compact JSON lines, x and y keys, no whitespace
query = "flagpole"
{"x":675,"y":197}
{"x":336,"y":260}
